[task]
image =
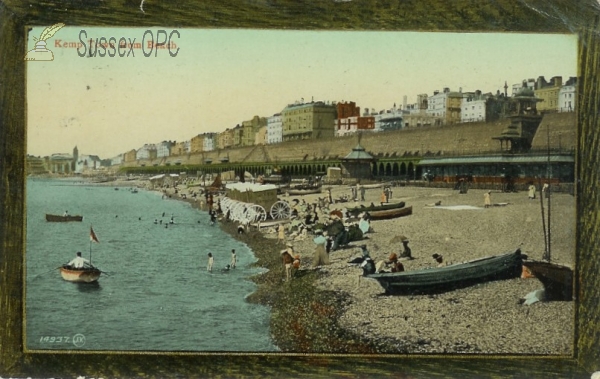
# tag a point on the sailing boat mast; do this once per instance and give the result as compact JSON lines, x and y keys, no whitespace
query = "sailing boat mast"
{"x":547,"y":253}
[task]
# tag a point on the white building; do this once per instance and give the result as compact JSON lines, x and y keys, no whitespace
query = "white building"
{"x":274,"y":128}
{"x":87,"y":162}
{"x":436,"y":104}
{"x":208,"y":144}
{"x":390,"y":119}
{"x":116,"y":160}
{"x":144,"y":152}
{"x":345,"y":126}
{"x":163,"y":149}
{"x":566,"y":98}
{"x":529,"y":83}
{"x":473,"y":107}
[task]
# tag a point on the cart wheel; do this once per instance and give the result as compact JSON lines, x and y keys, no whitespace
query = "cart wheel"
{"x":256,"y":213}
{"x":280,"y":210}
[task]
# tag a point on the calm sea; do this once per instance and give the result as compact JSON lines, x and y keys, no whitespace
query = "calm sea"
{"x":156,"y":295}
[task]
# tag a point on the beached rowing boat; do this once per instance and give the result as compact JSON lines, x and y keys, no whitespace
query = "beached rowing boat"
{"x":447,"y":278}
{"x":557,"y":279}
{"x":375,"y":208}
{"x":57,"y":218}
{"x":80,"y":275}
{"x":390,"y":213}
{"x":303,"y":190}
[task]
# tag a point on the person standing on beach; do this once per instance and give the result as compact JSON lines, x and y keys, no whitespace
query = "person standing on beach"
{"x":531,"y":193}
{"x":487,"y":199}
{"x":281,"y":234}
{"x":362,"y":193}
{"x":233,"y":258}
{"x":211,"y":261}
{"x":288,"y":260}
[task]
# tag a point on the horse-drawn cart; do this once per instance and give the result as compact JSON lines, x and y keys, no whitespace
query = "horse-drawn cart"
{"x":248,"y":203}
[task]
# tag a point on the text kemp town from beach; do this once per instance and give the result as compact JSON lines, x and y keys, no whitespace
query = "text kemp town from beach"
{"x":300,"y":192}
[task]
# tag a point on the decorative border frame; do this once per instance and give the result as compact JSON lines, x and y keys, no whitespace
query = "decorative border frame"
{"x":552,"y":16}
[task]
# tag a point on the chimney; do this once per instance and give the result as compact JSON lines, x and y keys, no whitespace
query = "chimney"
{"x":557,"y":81}
{"x":446,"y":89}
{"x":435,"y":92}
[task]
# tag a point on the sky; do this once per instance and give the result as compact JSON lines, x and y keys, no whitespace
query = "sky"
{"x":220,"y":77}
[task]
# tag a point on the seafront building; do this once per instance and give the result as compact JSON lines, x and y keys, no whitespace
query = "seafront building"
{"x":389,"y":119}
{"x":208,"y":144}
{"x":148,"y":151}
{"x":548,"y":92}
{"x":474,"y":107}
{"x":567,"y":96}
{"x":308,"y":121}
{"x":274,"y":129}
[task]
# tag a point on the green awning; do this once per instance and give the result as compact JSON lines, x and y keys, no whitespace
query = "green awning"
{"x":498,"y":159}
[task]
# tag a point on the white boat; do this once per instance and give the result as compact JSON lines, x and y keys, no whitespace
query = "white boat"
{"x":80,"y":275}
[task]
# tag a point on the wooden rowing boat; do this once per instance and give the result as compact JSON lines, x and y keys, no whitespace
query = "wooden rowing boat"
{"x":448,"y":278}
{"x":57,"y":218}
{"x":80,"y":275}
{"x":375,"y":208}
{"x":557,"y":279}
{"x":303,"y":190}
{"x":390,"y":213}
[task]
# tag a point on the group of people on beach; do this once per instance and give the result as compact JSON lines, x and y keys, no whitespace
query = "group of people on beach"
{"x":232,"y":265}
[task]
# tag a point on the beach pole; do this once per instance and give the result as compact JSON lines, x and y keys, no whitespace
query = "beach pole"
{"x":548,"y":250}
{"x":543,"y":218}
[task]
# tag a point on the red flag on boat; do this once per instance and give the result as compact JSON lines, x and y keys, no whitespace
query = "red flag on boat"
{"x":93,"y":236}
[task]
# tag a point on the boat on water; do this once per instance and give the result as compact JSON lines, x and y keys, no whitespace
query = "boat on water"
{"x":376,"y":208}
{"x":134,"y":190}
{"x":451,"y":277}
{"x":80,"y":275}
{"x":58,"y":218}
{"x":557,"y":279}
{"x":387,"y":214}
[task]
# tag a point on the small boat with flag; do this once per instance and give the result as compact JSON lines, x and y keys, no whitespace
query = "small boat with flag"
{"x":81,"y":270}
{"x":66,"y":218}
{"x":80,"y":275}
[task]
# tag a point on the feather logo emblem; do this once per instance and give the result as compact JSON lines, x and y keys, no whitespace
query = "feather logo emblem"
{"x":40,"y":52}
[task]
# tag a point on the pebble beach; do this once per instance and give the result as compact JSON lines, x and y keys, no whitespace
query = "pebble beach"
{"x":332,"y":309}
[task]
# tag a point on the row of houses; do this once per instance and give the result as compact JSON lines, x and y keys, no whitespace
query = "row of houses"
{"x":322,"y":119}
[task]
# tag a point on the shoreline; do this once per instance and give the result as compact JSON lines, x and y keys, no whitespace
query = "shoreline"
{"x":327,"y":310}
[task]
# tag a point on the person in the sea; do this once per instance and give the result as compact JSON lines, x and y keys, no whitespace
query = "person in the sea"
{"x":233,"y":258}
{"x":78,"y":261}
{"x":66,"y":214}
{"x":211,"y":261}
{"x":226,"y":268}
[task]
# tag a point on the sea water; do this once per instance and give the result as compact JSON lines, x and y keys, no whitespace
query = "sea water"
{"x":155,"y":294}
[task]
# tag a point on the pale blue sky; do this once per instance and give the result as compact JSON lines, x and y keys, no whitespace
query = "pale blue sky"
{"x":221,"y":77}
